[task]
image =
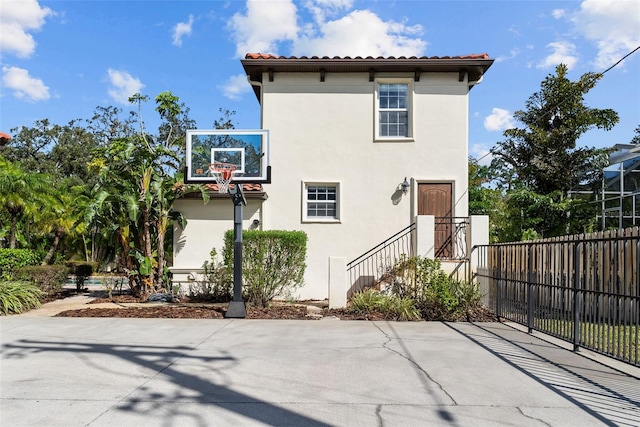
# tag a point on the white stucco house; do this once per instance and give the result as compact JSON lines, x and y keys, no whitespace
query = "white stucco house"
{"x":345,"y":135}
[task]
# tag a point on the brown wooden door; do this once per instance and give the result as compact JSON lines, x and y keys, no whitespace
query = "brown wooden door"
{"x":436,"y":199}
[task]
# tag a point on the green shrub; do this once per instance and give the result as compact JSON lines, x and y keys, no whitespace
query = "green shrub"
{"x":73,"y":265}
{"x":217,"y":284}
{"x":83,"y":271}
{"x":366,"y":300}
{"x":49,"y":278}
{"x":436,"y":295}
{"x":392,"y":306}
{"x":273,"y":263}
{"x":12,"y":259}
{"x":16,"y":297}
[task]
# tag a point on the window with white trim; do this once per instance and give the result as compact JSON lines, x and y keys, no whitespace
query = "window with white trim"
{"x":321,"y":202}
{"x":393,"y":110}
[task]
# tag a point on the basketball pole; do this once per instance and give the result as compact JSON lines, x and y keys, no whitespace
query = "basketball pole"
{"x":237,"y":309}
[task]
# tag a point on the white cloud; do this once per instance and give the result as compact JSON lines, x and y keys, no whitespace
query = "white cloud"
{"x":17,"y":20}
{"x":23,"y":85}
{"x":512,"y":54}
{"x":235,"y":86}
{"x":613,"y":25}
{"x":558,"y":13}
{"x":182,"y":29}
{"x":563,"y":52}
{"x":482,"y":153}
{"x":123,"y":85}
{"x":321,"y":9}
{"x":265,"y":24}
{"x":333,"y":31}
{"x":499,"y":120}
{"x":351,"y":36}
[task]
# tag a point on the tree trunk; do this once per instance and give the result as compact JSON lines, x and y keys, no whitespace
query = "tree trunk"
{"x":12,"y":231}
{"x":148,"y":251}
{"x":162,"y":230}
{"x":54,"y":246}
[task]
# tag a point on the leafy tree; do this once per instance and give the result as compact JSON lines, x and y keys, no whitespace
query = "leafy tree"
{"x":636,"y":137}
{"x":543,"y":154}
{"x":22,"y":193}
{"x":64,"y":218}
{"x":226,"y":119}
{"x":60,"y":151}
{"x":138,"y":180}
{"x":538,"y":164}
{"x":486,"y":200}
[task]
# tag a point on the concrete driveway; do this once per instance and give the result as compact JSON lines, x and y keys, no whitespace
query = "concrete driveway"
{"x":180,"y":372}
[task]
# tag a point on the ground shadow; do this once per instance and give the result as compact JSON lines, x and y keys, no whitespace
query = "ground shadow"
{"x":609,"y":399}
{"x":193,"y":388}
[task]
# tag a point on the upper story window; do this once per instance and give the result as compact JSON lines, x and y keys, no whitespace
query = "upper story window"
{"x":393,"y":110}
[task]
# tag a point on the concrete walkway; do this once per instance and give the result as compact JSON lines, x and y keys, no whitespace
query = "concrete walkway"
{"x":226,"y":372}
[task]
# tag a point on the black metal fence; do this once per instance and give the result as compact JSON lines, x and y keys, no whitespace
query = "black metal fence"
{"x":367,"y":269}
{"x":584,"y":289}
{"x":450,"y":237}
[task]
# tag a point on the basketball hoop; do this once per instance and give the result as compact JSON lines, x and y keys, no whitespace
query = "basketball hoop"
{"x":223,"y":173}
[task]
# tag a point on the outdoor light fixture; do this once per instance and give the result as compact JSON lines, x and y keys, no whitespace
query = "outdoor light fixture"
{"x":405,"y":186}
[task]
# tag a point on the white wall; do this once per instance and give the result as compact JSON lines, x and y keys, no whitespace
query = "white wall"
{"x":324,"y":132}
{"x":205,"y":230}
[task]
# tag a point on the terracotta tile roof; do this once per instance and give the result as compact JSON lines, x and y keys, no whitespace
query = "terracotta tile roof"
{"x":338,"y":58}
{"x":257,"y":65}
{"x":245,"y":187}
{"x":5,"y":136}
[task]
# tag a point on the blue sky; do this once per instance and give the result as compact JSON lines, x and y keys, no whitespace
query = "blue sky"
{"x":62,"y":59}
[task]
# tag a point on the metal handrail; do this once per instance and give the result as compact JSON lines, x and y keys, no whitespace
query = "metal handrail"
{"x":400,"y":234}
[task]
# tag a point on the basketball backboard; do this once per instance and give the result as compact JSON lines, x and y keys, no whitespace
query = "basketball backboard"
{"x":248,"y":150}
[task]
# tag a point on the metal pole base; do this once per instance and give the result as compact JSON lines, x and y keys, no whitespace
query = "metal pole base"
{"x":236,"y":310}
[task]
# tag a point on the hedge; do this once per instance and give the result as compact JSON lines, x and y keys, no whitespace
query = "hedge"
{"x":273,"y":263}
{"x":12,"y":259}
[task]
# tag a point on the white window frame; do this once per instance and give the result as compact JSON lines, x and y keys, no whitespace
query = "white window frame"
{"x":409,"y":109}
{"x":305,"y":202}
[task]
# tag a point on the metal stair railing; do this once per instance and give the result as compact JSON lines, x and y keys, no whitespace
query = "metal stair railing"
{"x":366,"y":269}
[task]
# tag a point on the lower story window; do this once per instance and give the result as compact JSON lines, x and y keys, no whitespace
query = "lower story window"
{"x":321,"y":202}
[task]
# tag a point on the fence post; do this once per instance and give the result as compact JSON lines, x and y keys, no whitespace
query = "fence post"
{"x":529,"y":290}
{"x":576,"y":297}
{"x":498,"y":259}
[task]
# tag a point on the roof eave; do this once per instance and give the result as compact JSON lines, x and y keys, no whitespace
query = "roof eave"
{"x":473,"y":67}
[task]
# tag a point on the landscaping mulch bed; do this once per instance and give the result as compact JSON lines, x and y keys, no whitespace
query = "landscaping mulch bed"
{"x":194,"y":309}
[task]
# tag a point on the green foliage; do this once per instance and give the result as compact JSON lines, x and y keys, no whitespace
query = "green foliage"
{"x":636,"y":136}
{"x":82,"y":271}
{"x":12,"y":259}
{"x":415,"y":287}
{"x":73,"y":265}
{"x":16,"y":297}
{"x":49,"y":278}
{"x":24,"y":195}
{"x":217,"y":284}
{"x":392,"y":306}
{"x":273,"y":263}
{"x":403,"y":309}
{"x":542,"y":155}
{"x":536,"y":165}
{"x":366,"y":300}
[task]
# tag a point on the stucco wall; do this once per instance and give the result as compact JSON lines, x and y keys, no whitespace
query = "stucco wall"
{"x":324,"y":132}
{"x":205,"y":230}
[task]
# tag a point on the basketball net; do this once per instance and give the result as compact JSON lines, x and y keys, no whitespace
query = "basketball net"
{"x":223,"y":173}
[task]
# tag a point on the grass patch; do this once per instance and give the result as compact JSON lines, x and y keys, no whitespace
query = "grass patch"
{"x":621,"y":341}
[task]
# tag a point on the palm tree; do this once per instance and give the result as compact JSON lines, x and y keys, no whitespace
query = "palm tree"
{"x":21,"y":193}
{"x":65,"y":217}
